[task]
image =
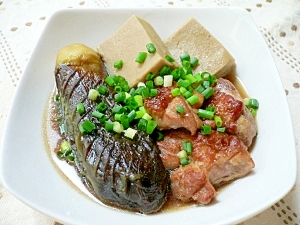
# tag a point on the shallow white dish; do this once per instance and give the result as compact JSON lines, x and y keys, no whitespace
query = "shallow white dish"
{"x":26,"y":168}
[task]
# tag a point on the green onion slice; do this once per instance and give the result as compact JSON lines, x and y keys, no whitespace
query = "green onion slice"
{"x":150,"y":48}
{"x":202,"y":113}
{"x":180,"y":109}
{"x":141,"y":57}
{"x":205,"y":130}
{"x":80,"y":108}
{"x":118,"y":64}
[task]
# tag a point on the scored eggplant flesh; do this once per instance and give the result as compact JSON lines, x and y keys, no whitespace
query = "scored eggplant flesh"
{"x":122,"y":172}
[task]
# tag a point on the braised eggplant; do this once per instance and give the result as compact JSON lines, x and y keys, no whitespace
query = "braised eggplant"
{"x":122,"y":172}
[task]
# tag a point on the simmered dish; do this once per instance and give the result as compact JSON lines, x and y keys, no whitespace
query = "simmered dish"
{"x":144,"y":120}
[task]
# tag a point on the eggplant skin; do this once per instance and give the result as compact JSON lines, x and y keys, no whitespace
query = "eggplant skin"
{"x":122,"y":172}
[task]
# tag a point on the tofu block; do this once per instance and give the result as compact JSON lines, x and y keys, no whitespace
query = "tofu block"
{"x":125,"y":44}
{"x":194,"y":39}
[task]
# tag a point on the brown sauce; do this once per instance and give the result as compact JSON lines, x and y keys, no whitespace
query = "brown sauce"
{"x":53,"y":138}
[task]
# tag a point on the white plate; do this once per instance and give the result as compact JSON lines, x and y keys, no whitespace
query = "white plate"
{"x":27,"y":170}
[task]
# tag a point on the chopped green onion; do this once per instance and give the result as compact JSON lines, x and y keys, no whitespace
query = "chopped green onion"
{"x":141,"y":57}
{"x":117,"y":109}
{"x":221,"y":129}
{"x":175,"y":92}
{"x":153,"y":92}
{"x":200,"y":89}
{"x":118,"y":127}
{"x":150,"y":48}
{"x":218,"y":121}
{"x":80,"y":108}
{"x":64,"y":146}
{"x":198,"y":77}
{"x":142,"y":108}
{"x":194,"y":62}
{"x":150,"y":84}
{"x":168,"y":80}
{"x":139,"y":114}
{"x":130,"y":133}
{"x":190,"y":78}
{"x":117,"y":116}
{"x":176,"y":74}
{"x":253,"y":112}
{"x":86,"y":127}
{"x":208,"y":92}
{"x":68,"y":152}
{"x":183,"y":90}
{"x":142,"y":124}
{"x":193,"y":99}
{"x":127,"y":95}
{"x":160,"y":135}
{"x":118,"y":88}
{"x":186,"y":64}
{"x":183,"y":83}
{"x":182,"y":154}
{"x":187,"y":94}
{"x":253,"y":103}
{"x":118,"y":64}
{"x":71,"y":157}
{"x":145,"y":93}
{"x":132,"y":103}
{"x":60,"y":154}
{"x":139,"y":100}
{"x":147,"y":117}
{"x":150,"y":76}
{"x":98,"y":114}
{"x":110,"y":81}
{"x":180,"y":109}
{"x":57,"y":98}
{"x":205,"y":75}
{"x":109,"y":125}
{"x":120,"y":97}
{"x":125,"y":121}
{"x":151,"y":125}
{"x":202,"y":113}
{"x":211,"y":108}
{"x":185,"y":57}
{"x":169,"y":58}
{"x":141,"y":84}
{"x":205,"y":130}
{"x":206,"y":84}
{"x":93,"y":94}
{"x":132,"y":115}
{"x":184,"y":161}
{"x":101,"y":107}
{"x":158,"y":81}
{"x":165,"y":70}
{"x":102,"y":89}
{"x":187,"y":146}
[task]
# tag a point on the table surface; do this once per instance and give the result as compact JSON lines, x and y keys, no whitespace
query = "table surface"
{"x":21,"y":23}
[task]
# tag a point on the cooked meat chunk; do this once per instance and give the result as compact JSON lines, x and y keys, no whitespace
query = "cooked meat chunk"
{"x":229,"y":106}
{"x":219,"y":156}
{"x":163,"y":110}
{"x":192,"y":182}
{"x":224,"y":155}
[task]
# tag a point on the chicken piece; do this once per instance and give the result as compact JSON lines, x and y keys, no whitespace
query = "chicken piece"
{"x":236,"y":117}
{"x":219,"y":156}
{"x":163,"y":110}
{"x":171,"y":145}
{"x":224,"y":156}
{"x":191,"y":182}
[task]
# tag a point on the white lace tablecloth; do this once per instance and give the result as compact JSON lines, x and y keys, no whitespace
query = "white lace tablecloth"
{"x":21,"y":23}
